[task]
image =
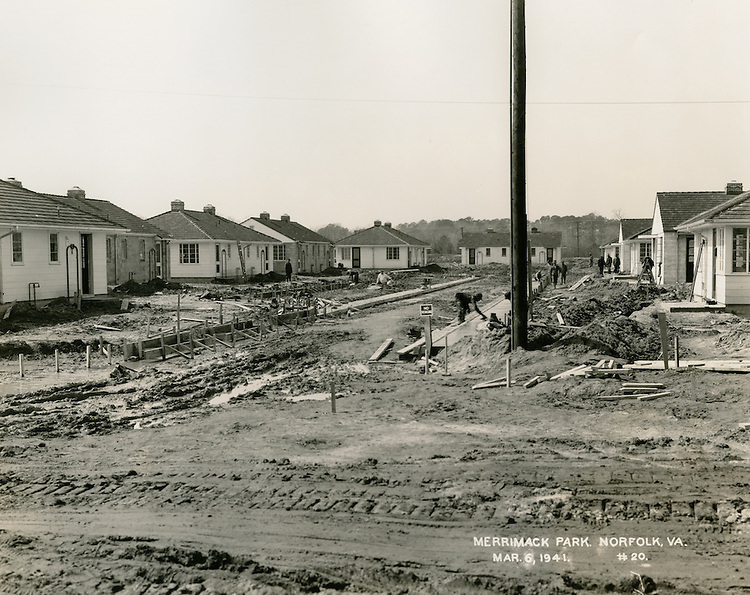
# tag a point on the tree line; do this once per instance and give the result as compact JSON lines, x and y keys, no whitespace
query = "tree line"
{"x":581,"y":235}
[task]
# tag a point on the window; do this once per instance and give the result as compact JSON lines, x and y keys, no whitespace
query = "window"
{"x":391,"y":253}
{"x":17,"y":248}
{"x":109,"y":249}
{"x":189,"y":254}
{"x":504,"y":252}
{"x":142,"y":250}
{"x":346,"y":253}
{"x":279,"y":252}
{"x":54,"y":248}
{"x":124,"y":251}
{"x":739,"y":250}
{"x":533,"y":252}
{"x":644,"y":250}
{"x":218,"y":254}
{"x":488,"y":252}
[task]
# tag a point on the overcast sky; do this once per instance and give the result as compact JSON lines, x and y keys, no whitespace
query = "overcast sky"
{"x":348,"y":111}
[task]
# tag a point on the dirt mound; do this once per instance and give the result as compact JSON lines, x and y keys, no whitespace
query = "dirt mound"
{"x":433,"y":268}
{"x":619,"y":337}
{"x":148,"y":288}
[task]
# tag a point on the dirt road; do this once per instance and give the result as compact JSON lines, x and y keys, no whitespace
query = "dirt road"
{"x":232,"y":475}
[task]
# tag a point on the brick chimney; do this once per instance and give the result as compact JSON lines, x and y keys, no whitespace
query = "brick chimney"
{"x":178,"y":205}
{"x":76,"y":192}
{"x":210,"y":209}
{"x":286,"y":218}
{"x":387,"y":224}
{"x":377,"y":223}
{"x":265,"y":215}
{"x":734,"y":187}
{"x":14,"y":182}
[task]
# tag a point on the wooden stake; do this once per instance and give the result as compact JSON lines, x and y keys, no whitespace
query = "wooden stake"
{"x":20,"y":364}
{"x":88,"y":356}
{"x":446,"y":356}
{"x":333,"y":392}
{"x":676,"y":352}
{"x":57,"y":361}
{"x":664,"y":338}
{"x":427,"y":343}
{"x":507,"y":371}
{"x":178,"y":318}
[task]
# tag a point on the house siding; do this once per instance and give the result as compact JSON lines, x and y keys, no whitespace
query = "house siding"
{"x":496,"y":255}
{"x":131,"y":264}
{"x":51,"y":277}
{"x":375,"y":257}
{"x":208,"y":267}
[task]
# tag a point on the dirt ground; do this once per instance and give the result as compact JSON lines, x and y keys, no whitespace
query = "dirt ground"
{"x":231,"y":474}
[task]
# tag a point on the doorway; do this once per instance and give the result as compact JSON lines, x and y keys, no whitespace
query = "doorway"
{"x":86,"y":260}
{"x":356,"y":258}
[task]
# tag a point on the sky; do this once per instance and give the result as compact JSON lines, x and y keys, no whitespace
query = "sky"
{"x":347,"y":111}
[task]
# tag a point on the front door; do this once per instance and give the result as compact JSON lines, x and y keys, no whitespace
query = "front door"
{"x":689,"y":259}
{"x":356,"y":258}
{"x":86,"y":272}
{"x":472,"y":256}
{"x":550,"y":255}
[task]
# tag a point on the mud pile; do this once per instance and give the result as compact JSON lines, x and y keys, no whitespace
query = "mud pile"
{"x":619,"y":337}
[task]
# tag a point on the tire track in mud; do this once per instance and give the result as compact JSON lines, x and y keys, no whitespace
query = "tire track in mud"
{"x":292,"y":489}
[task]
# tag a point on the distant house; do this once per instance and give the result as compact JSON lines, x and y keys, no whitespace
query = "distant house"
{"x":134,"y":253}
{"x":205,"y":246}
{"x":674,"y":250}
{"x":381,"y":247}
{"x":494,"y":247}
{"x":632,"y":249}
{"x":309,"y":251}
{"x":722,"y":272}
{"x":49,"y":247}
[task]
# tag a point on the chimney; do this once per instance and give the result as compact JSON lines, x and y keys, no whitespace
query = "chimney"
{"x":265,"y":215}
{"x":15,"y":182}
{"x":534,"y":230}
{"x":387,"y":224}
{"x":76,"y":192}
{"x":734,"y":187}
{"x":490,"y":230}
{"x":210,"y":209}
{"x":377,"y":223}
{"x":178,"y":205}
{"x":286,"y":218}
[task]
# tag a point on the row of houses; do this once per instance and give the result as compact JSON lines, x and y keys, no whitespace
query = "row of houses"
{"x":68,"y":245}
{"x":700,"y":238}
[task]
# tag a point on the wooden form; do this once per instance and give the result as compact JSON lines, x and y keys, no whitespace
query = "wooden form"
{"x":733,"y":365}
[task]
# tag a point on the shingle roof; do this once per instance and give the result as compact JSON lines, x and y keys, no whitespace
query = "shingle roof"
{"x":634,"y":227}
{"x":291,"y":229}
{"x":111,"y":212}
{"x":678,"y":207}
{"x":547,"y":239}
{"x":732,"y":209}
{"x":19,"y":206}
{"x":380,"y":235}
{"x":199,"y":225}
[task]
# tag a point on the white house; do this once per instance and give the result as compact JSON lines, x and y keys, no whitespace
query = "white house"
{"x":722,"y":272}
{"x":673,"y":251}
{"x":49,"y":248}
{"x":308,"y":251}
{"x":494,"y":247}
{"x":381,"y":247}
{"x":205,"y":246}
{"x":632,"y":249}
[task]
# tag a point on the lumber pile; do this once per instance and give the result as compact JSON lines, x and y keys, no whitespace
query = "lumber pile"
{"x":733,"y":365}
{"x":641,"y":391}
{"x":601,"y":369}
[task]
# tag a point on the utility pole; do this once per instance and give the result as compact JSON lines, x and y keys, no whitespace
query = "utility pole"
{"x":518,"y":223}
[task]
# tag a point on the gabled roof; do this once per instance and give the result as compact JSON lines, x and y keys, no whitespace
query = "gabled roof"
{"x":634,"y":227}
{"x":380,"y":235}
{"x":198,"y":225}
{"x":19,"y":206}
{"x":111,"y":212}
{"x":678,"y":207}
{"x":290,"y":229}
{"x":733,"y":209}
{"x":547,"y":239}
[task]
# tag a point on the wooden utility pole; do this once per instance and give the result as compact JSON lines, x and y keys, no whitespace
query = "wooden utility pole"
{"x":519,"y":267}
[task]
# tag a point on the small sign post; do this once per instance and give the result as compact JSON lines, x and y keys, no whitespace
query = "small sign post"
{"x":425,"y":311}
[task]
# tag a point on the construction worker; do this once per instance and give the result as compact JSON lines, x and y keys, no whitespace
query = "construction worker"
{"x":464,"y":302}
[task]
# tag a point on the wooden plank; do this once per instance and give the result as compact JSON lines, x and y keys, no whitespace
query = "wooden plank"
{"x":533,"y":382}
{"x":381,"y":351}
{"x":560,"y":319}
{"x":615,"y":397}
{"x":653,"y":396}
{"x":580,"y":282}
{"x":101,"y":327}
{"x":577,"y":371}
